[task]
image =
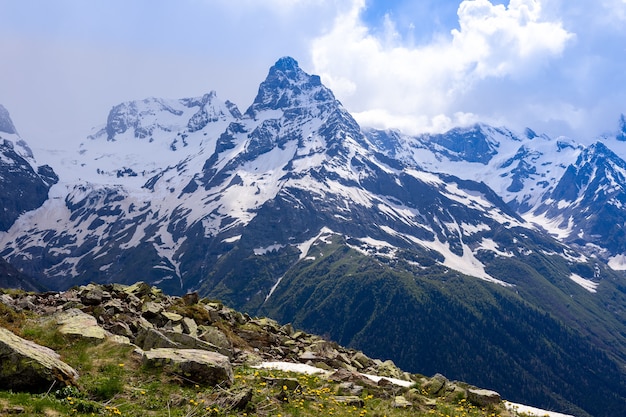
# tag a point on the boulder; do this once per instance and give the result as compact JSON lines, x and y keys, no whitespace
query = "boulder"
{"x":74,"y":322}
{"x":215,"y":337}
{"x":349,"y":400}
{"x":192,"y":365}
{"x":401,"y":402}
{"x":27,"y":366}
{"x":92,"y":294}
{"x":149,"y":338}
{"x":190,"y":327}
{"x":186,"y":341}
{"x":483,"y":397}
{"x":436,"y":385}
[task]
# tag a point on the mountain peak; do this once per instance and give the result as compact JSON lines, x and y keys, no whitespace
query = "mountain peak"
{"x":286,"y":64}
{"x":288,"y":86}
{"x":6,"y":124}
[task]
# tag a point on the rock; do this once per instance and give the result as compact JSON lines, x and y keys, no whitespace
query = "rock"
{"x":120,"y":340}
{"x":185,"y":341}
{"x":190,"y":327}
{"x":436,"y":384}
{"x":191,"y":298}
{"x":349,"y":388}
{"x":74,"y":322}
{"x":401,"y":402}
{"x":483,"y":397}
{"x":307,"y":355}
{"x":122,"y":329}
{"x":350,"y":400}
{"x":362,"y":360}
{"x":215,"y":337}
{"x":114,"y":306}
{"x":389,"y":369}
{"x":192,"y":365}
{"x":27,"y":366}
{"x":345,"y":375}
{"x":91,"y":295}
{"x":138,"y":289}
{"x":149,"y":338}
{"x":150,"y":309}
{"x":6,"y":299}
{"x":173,"y":317}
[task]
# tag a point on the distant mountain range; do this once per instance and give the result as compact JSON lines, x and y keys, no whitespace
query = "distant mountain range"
{"x":490,"y":256}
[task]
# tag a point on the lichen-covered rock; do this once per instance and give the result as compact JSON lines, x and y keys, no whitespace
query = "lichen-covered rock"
{"x":76,"y":323}
{"x":27,"y":366}
{"x":192,"y":365}
{"x":436,"y":384}
{"x":483,"y":397}
{"x":401,"y":402}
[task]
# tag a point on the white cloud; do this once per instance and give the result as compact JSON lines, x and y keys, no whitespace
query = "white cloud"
{"x":387,"y":83}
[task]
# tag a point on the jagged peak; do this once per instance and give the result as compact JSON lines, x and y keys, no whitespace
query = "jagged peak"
{"x":6,"y":124}
{"x":287,"y":65}
{"x":288,"y":86}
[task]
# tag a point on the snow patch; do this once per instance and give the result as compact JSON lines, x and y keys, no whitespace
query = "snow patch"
{"x":271,"y":248}
{"x":467,"y":263}
{"x":617,"y":262}
{"x":532,"y":411}
{"x":585,"y":283}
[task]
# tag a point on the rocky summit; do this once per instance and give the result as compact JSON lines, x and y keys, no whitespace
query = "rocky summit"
{"x":189,"y":344}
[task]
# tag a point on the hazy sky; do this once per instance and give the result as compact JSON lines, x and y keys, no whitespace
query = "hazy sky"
{"x":557,"y":66}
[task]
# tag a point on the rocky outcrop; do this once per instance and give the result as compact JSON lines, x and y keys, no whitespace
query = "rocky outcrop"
{"x":27,"y":366}
{"x":192,"y":366}
{"x":76,"y":323}
{"x":198,"y":341}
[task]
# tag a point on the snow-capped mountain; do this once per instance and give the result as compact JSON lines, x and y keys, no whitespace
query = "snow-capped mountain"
{"x":164,"y":178}
{"x":572,"y":190}
{"x":23,"y":185}
{"x":292,"y":208}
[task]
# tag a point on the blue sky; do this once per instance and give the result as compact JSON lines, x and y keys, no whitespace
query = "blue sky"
{"x":557,"y":66}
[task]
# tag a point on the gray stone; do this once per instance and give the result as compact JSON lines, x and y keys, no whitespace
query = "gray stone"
{"x":138,"y":289}
{"x":149,"y":338}
{"x":215,"y":337}
{"x":400,"y":402}
{"x":190,"y":327}
{"x":151,"y":309}
{"x":6,"y":299}
{"x":191,"y":298}
{"x":349,"y":388}
{"x":362,"y":360}
{"x":121,"y":328}
{"x":27,"y":366}
{"x":185,"y":341}
{"x":483,"y":397}
{"x":74,"y":322}
{"x":192,"y":365}
{"x":91,"y":295}
{"x":350,"y":400}
{"x":114,"y":306}
{"x":436,"y":384}
{"x":173,"y":317}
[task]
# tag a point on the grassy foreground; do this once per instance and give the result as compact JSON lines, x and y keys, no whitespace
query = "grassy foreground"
{"x":113,"y":382}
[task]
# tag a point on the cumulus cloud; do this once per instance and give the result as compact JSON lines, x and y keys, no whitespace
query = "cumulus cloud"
{"x":388,"y":83}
